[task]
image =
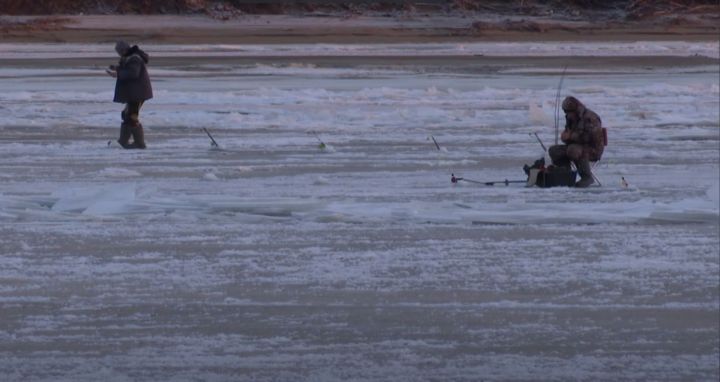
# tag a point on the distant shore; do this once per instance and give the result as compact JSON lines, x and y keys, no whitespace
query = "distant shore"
{"x":291,"y":29}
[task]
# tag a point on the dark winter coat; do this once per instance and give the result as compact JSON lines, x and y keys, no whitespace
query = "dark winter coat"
{"x":133,"y":81}
{"x":586,"y":130}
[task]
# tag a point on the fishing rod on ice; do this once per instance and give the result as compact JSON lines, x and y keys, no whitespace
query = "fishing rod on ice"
{"x":213,"y":143}
{"x":454,"y":180}
{"x":437,"y":146}
{"x":322,"y":144}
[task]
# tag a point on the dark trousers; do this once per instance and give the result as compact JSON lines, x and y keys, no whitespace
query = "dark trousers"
{"x":131,"y":126}
{"x":131,"y":112}
{"x":562,"y":155}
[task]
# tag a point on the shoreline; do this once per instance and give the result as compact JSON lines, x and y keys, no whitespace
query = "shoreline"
{"x":284,"y":29}
{"x":465,"y":64}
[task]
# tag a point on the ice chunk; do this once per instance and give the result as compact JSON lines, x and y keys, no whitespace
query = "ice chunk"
{"x":103,"y":200}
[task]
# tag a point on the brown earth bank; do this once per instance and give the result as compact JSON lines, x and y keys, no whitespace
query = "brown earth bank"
{"x":289,"y":29}
{"x":617,"y":9}
{"x":274,"y":21}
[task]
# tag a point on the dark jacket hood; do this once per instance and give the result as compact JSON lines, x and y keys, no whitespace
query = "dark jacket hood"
{"x":571,"y":103}
{"x":136,"y":50}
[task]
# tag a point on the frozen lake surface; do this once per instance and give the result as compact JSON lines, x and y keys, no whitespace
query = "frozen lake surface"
{"x":273,"y":259}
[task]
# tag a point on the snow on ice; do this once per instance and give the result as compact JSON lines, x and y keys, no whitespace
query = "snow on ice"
{"x":272,"y":259}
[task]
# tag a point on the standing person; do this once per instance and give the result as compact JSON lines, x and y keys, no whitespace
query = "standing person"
{"x":583,"y":138}
{"x":132,"y":88}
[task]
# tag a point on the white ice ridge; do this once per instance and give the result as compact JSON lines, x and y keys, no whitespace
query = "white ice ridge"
{"x":502,"y":49}
{"x":122,"y":200}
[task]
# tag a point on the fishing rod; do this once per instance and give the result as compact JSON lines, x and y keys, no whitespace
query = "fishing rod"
{"x":435,"y":142}
{"x":322,"y":144}
{"x":454,"y":179}
{"x":539,"y":140}
{"x":557,"y":105}
{"x":213,"y":143}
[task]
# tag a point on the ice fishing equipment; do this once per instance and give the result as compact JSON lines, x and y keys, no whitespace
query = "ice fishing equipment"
{"x":454,"y":179}
{"x":322,"y":145}
{"x":212,"y":140}
{"x":436,"y":144}
{"x":537,"y":175}
{"x":557,"y":105}
{"x":539,"y":140}
{"x":595,"y":163}
{"x":550,"y":176}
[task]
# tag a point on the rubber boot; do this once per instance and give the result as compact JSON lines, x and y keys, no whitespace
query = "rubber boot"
{"x":125,"y":133}
{"x":138,"y":136}
{"x":586,"y":177}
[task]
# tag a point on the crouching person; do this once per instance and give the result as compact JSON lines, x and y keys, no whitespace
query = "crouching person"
{"x":132,"y":88}
{"x":583,"y":138}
